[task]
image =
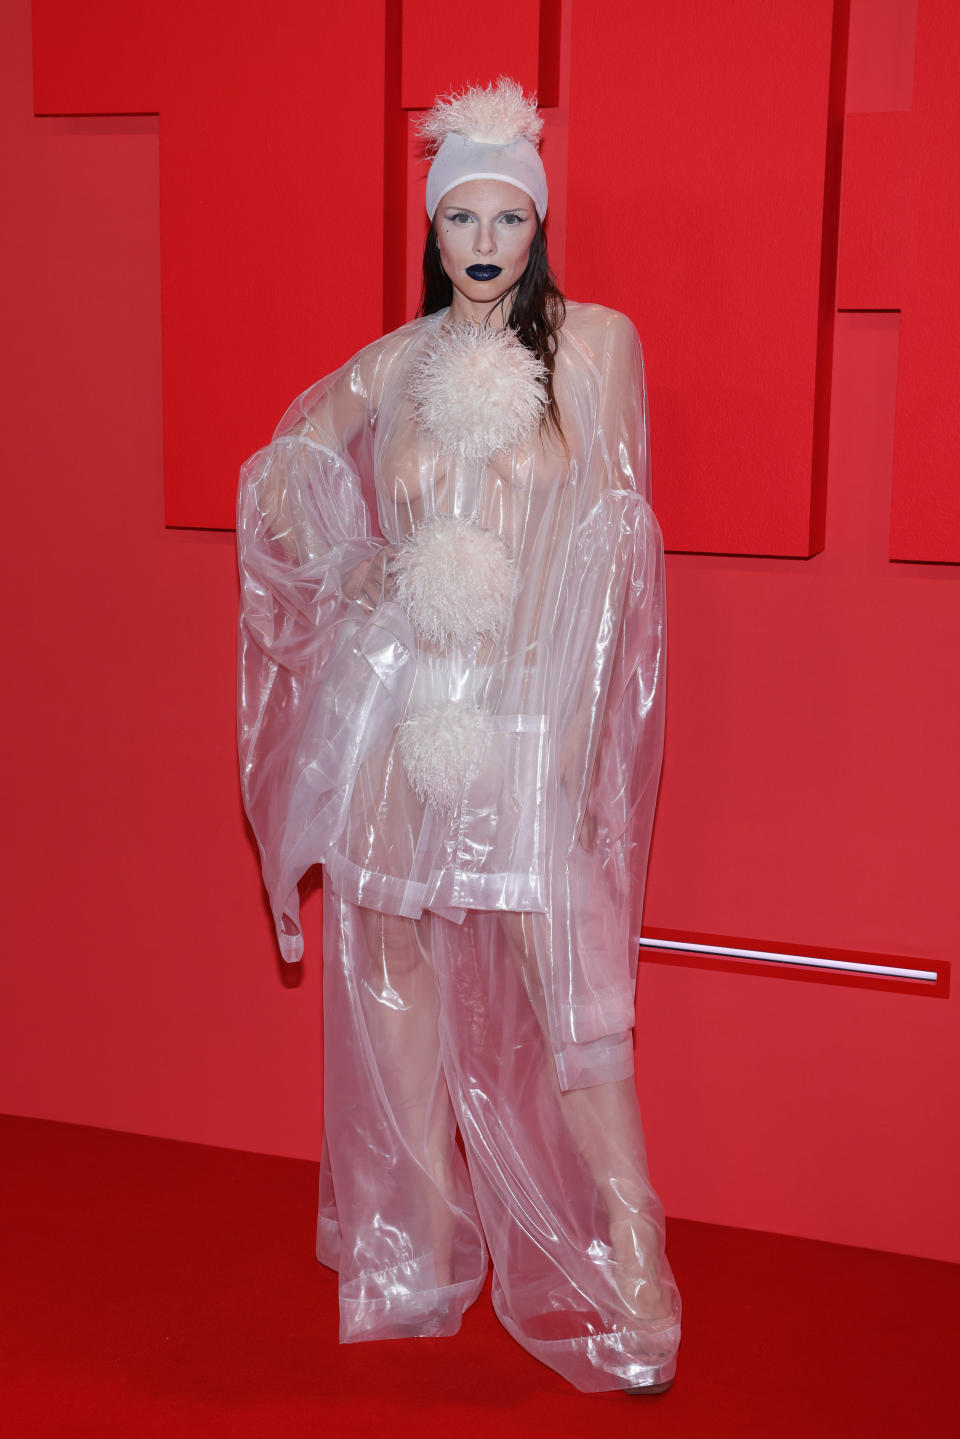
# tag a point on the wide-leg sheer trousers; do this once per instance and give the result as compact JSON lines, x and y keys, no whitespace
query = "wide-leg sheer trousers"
{"x":431,"y":1026}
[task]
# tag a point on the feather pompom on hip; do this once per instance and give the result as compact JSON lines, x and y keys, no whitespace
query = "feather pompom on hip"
{"x":438,"y":746}
{"x":477,"y":391}
{"x":496,"y":114}
{"x":455,"y":582}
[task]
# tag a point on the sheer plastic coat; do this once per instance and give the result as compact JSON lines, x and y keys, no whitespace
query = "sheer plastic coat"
{"x":486,"y":952}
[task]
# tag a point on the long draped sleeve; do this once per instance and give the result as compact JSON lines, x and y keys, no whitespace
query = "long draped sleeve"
{"x":610,"y":641}
{"x":626,"y":773}
{"x":308,"y":701}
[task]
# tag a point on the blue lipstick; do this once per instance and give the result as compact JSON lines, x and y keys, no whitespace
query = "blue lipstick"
{"x":483,"y":272}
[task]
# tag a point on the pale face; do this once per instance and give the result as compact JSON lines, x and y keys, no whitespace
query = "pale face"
{"x":484,"y":229}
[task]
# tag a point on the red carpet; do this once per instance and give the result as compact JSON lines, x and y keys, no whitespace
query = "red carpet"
{"x":158,"y":1288}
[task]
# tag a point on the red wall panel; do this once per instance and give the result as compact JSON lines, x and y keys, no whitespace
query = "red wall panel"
{"x":703,"y":183}
{"x":900,"y":220}
{"x":271,"y":197}
{"x":533,"y":49}
{"x":874,"y":212}
{"x":425,"y":59}
{"x":443,"y":50}
{"x":810,"y":783}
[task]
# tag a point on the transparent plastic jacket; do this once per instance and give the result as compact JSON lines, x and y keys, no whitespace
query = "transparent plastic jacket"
{"x":555,"y":811}
{"x":478,"y":778}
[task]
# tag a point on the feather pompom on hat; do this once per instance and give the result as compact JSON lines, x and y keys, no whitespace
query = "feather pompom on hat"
{"x":485,"y":133}
{"x":493,"y":115}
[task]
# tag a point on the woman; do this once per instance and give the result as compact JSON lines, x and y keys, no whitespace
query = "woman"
{"x":451,"y":695}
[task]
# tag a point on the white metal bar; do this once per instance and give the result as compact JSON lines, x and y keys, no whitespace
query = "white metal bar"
{"x":811,"y":961}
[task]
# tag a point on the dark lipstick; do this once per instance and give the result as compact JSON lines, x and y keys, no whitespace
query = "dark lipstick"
{"x":483,"y":272}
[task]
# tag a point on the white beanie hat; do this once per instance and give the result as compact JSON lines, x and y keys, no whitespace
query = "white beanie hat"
{"x":485,"y":134}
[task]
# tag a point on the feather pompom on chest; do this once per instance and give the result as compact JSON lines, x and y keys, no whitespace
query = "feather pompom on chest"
{"x":476,"y":392}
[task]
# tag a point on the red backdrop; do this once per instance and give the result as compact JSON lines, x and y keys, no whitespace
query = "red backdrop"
{"x":810,"y":785}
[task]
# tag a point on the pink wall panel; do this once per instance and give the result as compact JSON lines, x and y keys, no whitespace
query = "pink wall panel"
{"x":266,"y":205}
{"x":703,"y":184}
{"x":883,"y":37}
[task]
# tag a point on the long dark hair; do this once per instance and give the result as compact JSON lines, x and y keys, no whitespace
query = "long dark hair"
{"x":537,"y":311}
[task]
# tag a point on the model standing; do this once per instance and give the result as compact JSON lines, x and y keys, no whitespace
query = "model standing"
{"x":452,"y":653}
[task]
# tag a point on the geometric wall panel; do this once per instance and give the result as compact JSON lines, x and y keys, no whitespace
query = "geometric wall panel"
{"x":519,"y":38}
{"x":899,"y":234}
{"x":439,"y":56}
{"x":271,"y":202}
{"x":703,"y":198}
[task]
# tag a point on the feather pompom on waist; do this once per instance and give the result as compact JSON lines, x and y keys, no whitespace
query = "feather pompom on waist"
{"x":477,"y":391}
{"x":438,"y":745}
{"x":455,"y":581}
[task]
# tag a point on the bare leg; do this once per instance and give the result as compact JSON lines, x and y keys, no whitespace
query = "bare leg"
{"x":400,"y":1000}
{"x":604,"y":1121}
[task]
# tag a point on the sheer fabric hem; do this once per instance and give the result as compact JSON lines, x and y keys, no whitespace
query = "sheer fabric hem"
{"x":449,"y":894}
{"x":402,"y":1301}
{"x":592,"y":1363}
